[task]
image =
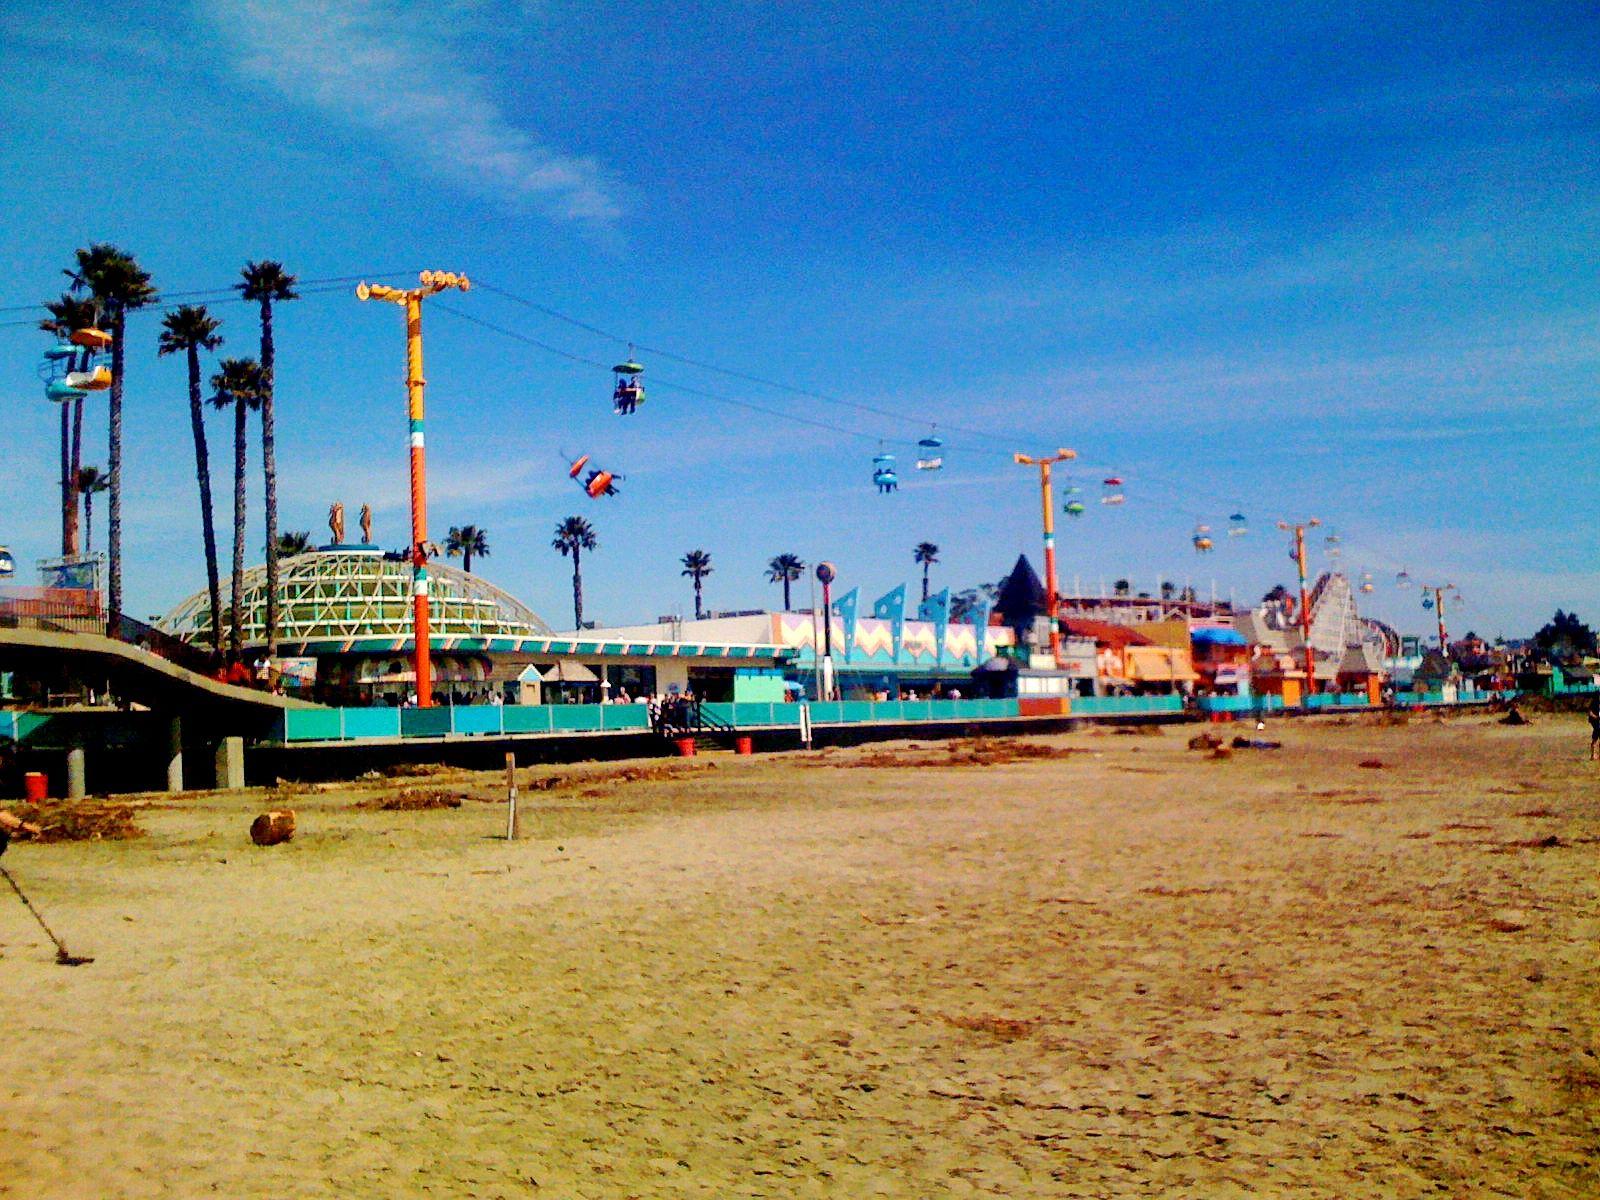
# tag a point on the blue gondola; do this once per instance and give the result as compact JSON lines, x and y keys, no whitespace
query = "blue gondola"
{"x":8,"y":565}
{"x":1237,"y":525}
{"x":930,"y":453}
{"x":57,"y":390}
{"x":883,"y":473}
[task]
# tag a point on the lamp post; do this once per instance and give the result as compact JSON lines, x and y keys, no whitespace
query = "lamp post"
{"x":411,"y":299}
{"x":1047,"y":498}
{"x":1305,"y":597}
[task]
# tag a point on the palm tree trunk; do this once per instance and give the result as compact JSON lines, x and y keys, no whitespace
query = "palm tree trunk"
{"x":202,"y":470}
{"x":68,"y":499}
{"x":577,"y":589}
{"x":114,"y":473}
{"x":786,"y":591}
{"x":269,"y":466}
{"x":925,"y":565}
{"x":235,"y":629}
{"x":466,"y":559}
{"x":88,"y":524}
{"x":697,"y":598}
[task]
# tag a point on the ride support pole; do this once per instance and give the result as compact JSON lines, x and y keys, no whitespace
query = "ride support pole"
{"x":1050,"y":592}
{"x":1305,"y":609}
{"x":419,"y":503}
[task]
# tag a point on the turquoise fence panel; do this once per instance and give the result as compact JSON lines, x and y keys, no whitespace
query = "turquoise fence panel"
{"x":476,"y":719}
{"x":526,"y":718}
{"x":424,"y":722}
{"x":23,"y":726}
{"x":827,"y":712}
{"x":625,"y":716}
{"x":783,"y":714}
{"x":312,"y":725}
{"x":889,"y":711}
{"x":729,"y":713}
{"x":918,"y":710}
{"x":371,"y":722}
{"x":853,"y":712}
{"x":575,"y":718}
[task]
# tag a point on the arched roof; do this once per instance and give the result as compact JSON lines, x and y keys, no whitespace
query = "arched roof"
{"x":339,"y":595}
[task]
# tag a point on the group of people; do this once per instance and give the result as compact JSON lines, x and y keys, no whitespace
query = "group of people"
{"x":625,"y":399}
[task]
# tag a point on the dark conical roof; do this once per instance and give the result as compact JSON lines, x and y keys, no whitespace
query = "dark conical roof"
{"x":1021,"y":595}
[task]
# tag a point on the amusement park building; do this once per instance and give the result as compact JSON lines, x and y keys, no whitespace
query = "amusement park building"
{"x":345,"y":635}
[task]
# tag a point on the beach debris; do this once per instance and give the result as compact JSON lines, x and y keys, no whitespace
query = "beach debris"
{"x":965,"y":752}
{"x":271,"y":828}
{"x":1372,"y":764}
{"x":1007,"y":1029}
{"x":414,"y":800}
{"x":80,"y":821}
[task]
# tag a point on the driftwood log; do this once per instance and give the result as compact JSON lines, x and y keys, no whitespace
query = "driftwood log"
{"x":270,"y":828}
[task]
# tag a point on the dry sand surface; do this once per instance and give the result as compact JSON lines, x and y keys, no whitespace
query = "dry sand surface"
{"x":1128,"y":971}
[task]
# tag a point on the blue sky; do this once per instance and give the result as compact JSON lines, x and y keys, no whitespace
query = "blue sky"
{"x":1337,"y":261}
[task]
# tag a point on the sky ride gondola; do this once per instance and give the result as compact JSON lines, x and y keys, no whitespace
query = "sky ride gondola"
{"x":1402,"y":579}
{"x":1111,"y":490}
{"x":1074,"y":508}
{"x":8,"y":564}
{"x":884,"y":477}
{"x":1237,"y":525}
{"x":930,"y":453}
{"x":1427,"y":602}
{"x":1366,"y":582}
{"x":629,"y":391}
{"x":1202,"y":543}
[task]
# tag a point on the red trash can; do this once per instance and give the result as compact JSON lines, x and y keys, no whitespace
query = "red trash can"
{"x":685,"y":747}
{"x":744,"y":745}
{"x":35,"y":787}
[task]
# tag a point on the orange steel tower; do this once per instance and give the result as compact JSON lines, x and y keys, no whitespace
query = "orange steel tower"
{"x":1305,"y":597}
{"x":411,"y":300}
{"x":1047,"y":497}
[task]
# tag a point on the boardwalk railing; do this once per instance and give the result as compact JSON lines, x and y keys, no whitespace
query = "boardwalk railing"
{"x":380,"y":724}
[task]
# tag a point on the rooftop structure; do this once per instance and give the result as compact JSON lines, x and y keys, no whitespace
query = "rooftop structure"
{"x":338,"y":597}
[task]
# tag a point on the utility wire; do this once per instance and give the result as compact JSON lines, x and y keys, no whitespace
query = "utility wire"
{"x":743,"y":376}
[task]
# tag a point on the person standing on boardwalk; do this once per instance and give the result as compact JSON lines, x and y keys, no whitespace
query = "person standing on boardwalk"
{"x":1594,"y":729}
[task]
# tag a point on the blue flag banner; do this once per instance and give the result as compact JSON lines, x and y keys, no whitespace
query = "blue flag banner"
{"x":845,"y":606}
{"x":936,"y":608}
{"x":980,"y":624}
{"x":891,"y":607}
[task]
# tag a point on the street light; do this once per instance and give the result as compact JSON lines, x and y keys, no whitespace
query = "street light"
{"x":411,"y":299}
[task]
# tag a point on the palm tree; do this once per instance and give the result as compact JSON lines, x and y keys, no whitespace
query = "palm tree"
{"x":697,"y":565}
{"x":295,"y":541}
{"x":574,"y":536}
{"x":67,"y":314}
{"x":266,"y":282}
{"x":465,"y":541}
{"x":121,"y":286}
{"x":90,"y":482}
{"x":927,"y":554}
{"x":785,"y":569}
{"x":1121,"y":588}
{"x":191,"y":329}
{"x":237,"y":386}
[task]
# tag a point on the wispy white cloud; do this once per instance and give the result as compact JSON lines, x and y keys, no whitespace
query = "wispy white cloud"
{"x":378,"y":67}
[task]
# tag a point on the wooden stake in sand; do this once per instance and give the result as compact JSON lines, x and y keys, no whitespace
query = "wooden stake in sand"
{"x":513,"y":826}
